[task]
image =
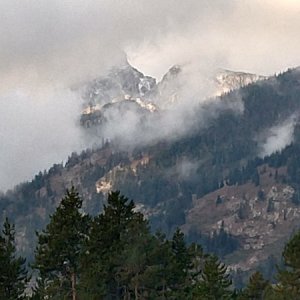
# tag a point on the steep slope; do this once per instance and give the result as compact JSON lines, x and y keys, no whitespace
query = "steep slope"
{"x":176,"y":182}
{"x":261,"y":217}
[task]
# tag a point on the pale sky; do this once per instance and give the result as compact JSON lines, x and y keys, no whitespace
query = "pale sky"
{"x":258,"y":36}
{"x":70,"y":40}
{"x":46,"y":46}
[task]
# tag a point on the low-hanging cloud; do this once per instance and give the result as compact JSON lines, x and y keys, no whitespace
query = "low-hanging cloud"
{"x":189,"y":113}
{"x":278,"y":137}
{"x":35,"y":134}
{"x":48,"y":46}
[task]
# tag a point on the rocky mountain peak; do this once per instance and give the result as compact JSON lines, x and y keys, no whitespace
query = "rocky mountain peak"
{"x":226,"y":80}
{"x":124,"y":82}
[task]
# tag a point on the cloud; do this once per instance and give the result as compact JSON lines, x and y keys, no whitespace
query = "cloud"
{"x":47,"y":46}
{"x":277,"y":137}
{"x":35,"y":134}
{"x":254,"y":36}
{"x":186,"y":169}
{"x":74,"y":39}
{"x":129,"y":128}
{"x":70,"y":40}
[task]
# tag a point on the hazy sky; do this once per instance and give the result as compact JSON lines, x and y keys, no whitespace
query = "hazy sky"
{"x":75,"y":38}
{"x":48,"y":45}
{"x":259,"y":36}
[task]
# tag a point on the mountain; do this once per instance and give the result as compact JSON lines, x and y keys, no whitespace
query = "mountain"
{"x":259,"y":216}
{"x":212,"y":181}
{"x":227,"y":81}
{"x":216,"y":83}
{"x":122,"y":89}
{"x":126,"y":87}
{"x":120,"y":81}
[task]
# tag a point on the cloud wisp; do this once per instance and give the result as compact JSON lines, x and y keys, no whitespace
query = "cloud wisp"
{"x":278,"y":137}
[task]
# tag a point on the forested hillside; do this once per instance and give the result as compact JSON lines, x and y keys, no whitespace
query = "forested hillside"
{"x":114,"y":255}
{"x":220,"y":157}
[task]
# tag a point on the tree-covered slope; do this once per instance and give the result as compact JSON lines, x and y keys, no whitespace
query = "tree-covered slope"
{"x":221,"y":148}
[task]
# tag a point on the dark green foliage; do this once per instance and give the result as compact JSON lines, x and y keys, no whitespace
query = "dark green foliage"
{"x":221,"y":243}
{"x":122,"y":259}
{"x":115,"y":249}
{"x":181,"y":264}
{"x":289,"y":279}
{"x":255,"y":289}
{"x":117,"y":257}
{"x":175,"y":210}
{"x":261,"y":195}
{"x":219,"y":200}
{"x":255,"y":178}
{"x":223,"y":150}
{"x":215,"y":281}
{"x":13,"y":273}
{"x":59,"y":246}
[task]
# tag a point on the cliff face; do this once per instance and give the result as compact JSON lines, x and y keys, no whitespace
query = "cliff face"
{"x":261,"y":217}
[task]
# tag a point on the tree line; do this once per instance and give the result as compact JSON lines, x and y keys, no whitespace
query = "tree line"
{"x":114,"y":255}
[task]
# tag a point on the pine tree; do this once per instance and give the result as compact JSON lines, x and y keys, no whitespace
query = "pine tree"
{"x":159,"y":273}
{"x":59,"y":248}
{"x":110,"y":234}
{"x":289,"y":278}
{"x":181,"y":264}
{"x":13,"y":274}
{"x":255,"y":289}
{"x":123,"y":260}
{"x":214,"y":283}
{"x":135,"y":258}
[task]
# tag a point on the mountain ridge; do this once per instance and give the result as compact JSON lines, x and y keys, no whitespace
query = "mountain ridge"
{"x":169,"y":179}
{"x":126,"y":83}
